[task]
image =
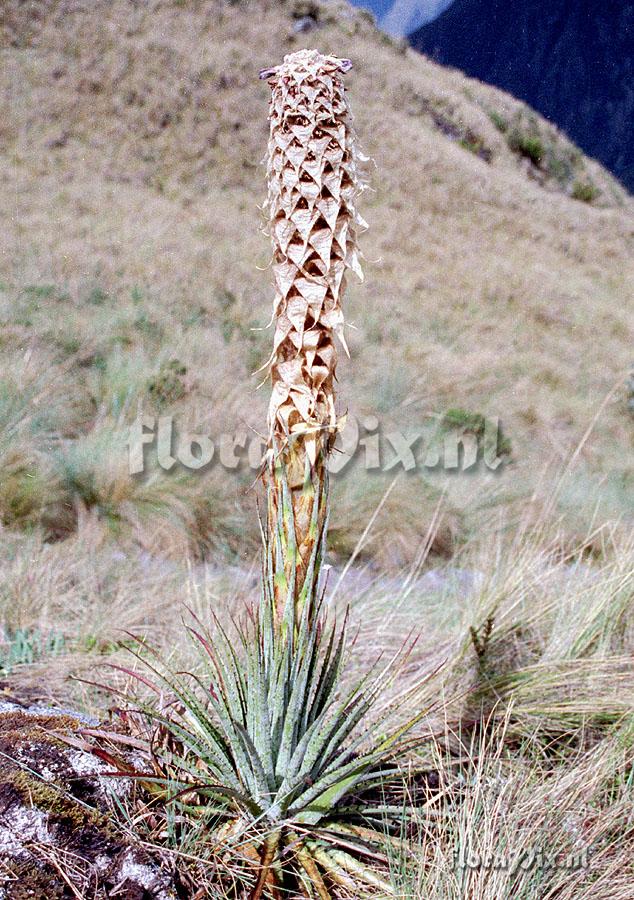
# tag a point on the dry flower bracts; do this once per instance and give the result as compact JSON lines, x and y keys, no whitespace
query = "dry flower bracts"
{"x":312,"y":185}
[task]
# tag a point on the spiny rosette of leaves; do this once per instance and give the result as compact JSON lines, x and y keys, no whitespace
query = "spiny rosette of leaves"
{"x":313,"y":181}
{"x":263,"y":745}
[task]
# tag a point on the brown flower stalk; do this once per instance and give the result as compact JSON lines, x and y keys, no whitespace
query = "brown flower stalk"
{"x":312,"y":185}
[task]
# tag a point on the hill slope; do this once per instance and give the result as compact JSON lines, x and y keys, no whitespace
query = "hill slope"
{"x":130,"y":156}
{"x":573,"y":61}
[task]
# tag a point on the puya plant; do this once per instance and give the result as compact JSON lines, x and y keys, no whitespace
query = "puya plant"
{"x":286,"y":768}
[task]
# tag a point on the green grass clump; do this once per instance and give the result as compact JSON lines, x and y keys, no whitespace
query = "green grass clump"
{"x":25,"y":646}
{"x":26,"y":489}
{"x":556,"y":159}
{"x":476,"y":145}
{"x":500,"y":122}
{"x":466,"y":422}
{"x":527,"y":145}
{"x":168,"y":385}
{"x":585,"y":191}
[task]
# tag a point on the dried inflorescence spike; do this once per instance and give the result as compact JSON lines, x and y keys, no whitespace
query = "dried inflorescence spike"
{"x":312,"y":185}
{"x":313,"y":182}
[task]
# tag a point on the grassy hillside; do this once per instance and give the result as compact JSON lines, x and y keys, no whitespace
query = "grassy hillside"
{"x":132,"y":272}
{"x":499,"y":278}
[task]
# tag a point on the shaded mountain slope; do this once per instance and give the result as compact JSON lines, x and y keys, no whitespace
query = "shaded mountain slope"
{"x":573,"y":60}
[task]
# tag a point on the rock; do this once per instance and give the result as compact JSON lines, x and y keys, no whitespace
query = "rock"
{"x":304,"y":24}
{"x":56,"y":823}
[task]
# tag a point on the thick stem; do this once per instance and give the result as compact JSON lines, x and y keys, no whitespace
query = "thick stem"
{"x":297,"y":516}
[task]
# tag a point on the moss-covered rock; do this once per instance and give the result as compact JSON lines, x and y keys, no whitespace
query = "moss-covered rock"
{"x":56,"y":822}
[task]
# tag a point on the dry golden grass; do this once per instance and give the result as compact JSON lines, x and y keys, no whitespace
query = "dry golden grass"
{"x":517,"y":825}
{"x":129,"y":159}
{"x":131,"y":144}
{"x":528,"y":651}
